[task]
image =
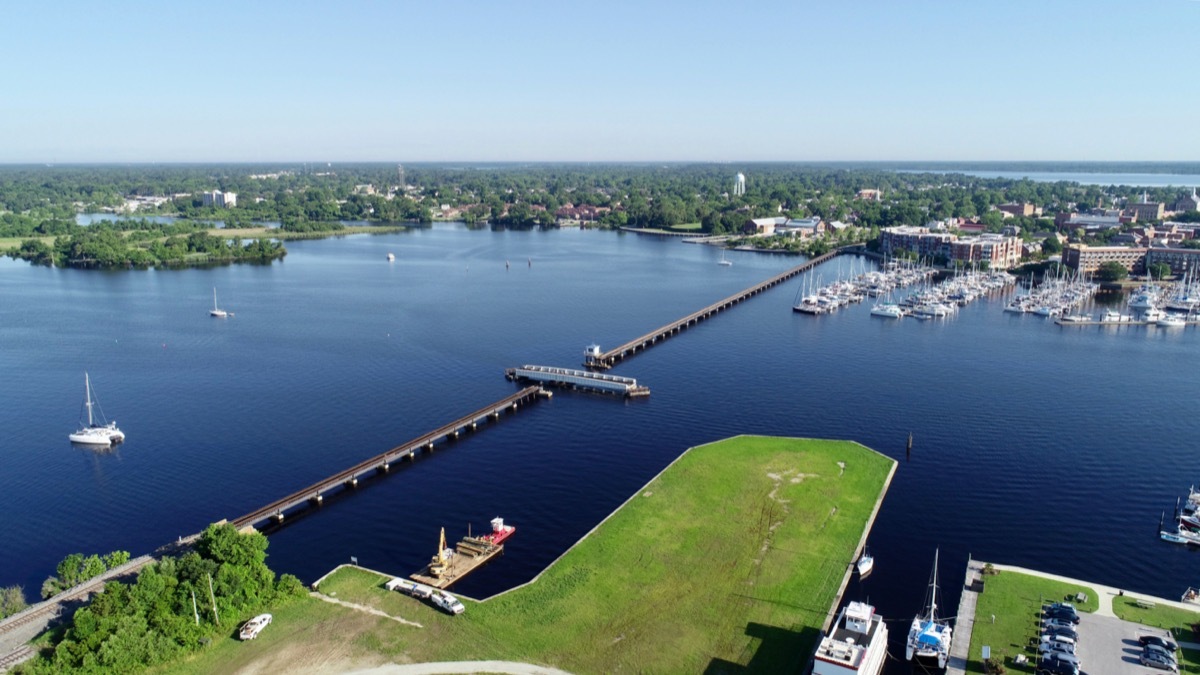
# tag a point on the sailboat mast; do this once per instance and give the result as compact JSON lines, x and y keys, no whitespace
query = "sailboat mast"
{"x":933,"y":598}
{"x":87,"y":394}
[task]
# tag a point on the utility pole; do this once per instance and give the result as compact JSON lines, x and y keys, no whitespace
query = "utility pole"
{"x":214,"y":601}
{"x":194,"y":610}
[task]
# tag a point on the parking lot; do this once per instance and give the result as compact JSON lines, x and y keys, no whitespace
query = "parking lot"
{"x":1109,"y":646}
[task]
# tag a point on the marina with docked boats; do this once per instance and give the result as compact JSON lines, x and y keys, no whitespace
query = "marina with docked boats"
{"x":1060,"y":298}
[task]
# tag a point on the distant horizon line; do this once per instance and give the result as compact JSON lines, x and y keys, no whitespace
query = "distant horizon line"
{"x":824,"y":162}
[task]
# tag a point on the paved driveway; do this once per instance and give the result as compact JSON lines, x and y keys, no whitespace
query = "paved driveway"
{"x":1109,"y":646}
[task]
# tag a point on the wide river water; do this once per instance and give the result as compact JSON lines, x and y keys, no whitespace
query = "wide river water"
{"x":1035,"y":445}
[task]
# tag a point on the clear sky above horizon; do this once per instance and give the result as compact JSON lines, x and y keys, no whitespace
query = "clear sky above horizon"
{"x":591,"y":81}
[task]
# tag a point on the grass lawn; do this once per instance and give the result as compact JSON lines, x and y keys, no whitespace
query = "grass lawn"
{"x":730,"y":559}
{"x":685,"y":227}
{"x":1016,"y":602}
{"x":1179,"y":621}
{"x":304,"y":635}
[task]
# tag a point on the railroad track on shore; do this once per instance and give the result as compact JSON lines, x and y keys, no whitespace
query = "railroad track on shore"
{"x":52,"y":608}
{"x":18,"y":655}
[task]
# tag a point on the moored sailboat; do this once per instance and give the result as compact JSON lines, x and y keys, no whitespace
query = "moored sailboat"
{"x":928,"y":637}
{"x":217,"y":311}
{"x":866,"y":563}
{"x":95,"y":434}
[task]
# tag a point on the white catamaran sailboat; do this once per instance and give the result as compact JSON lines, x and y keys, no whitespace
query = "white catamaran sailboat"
{"x":95,"y":434}
{"x":723,"y":261}
{"x":929,"y":638}
{"x":217,"y":311}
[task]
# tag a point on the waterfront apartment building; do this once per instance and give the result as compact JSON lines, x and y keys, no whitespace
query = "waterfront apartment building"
{"x":917,"y":240}
{"x":1181,"y":260}
{"x":1088,"y":259}
{"x":221,"y":200}
{"x":998,"y":251}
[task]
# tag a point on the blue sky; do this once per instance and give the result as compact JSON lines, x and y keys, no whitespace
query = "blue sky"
{"x":600,"y":81}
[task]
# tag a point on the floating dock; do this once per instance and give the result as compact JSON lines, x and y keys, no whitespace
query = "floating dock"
{"x":596,"y":360}
{"x":1117,"y":323}
{"x":468,"y":555}
{"x":578,"y":379}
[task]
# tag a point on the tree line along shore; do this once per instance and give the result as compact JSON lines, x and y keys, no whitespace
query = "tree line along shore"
{"x":38,"y":205}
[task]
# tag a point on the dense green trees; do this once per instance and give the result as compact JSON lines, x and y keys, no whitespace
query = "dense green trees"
{"x":76,"y":569}
{"x":174,"y":607}
{"x":103,"y":246}
{"x":12,"y":600}
{"x":1111,"y":271}
{"x":1159,"y":270}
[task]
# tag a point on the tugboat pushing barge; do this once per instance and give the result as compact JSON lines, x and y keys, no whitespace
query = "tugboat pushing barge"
{"x":451,"y":564}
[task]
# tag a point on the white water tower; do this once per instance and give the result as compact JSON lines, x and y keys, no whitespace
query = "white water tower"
{"x":739,"y":185}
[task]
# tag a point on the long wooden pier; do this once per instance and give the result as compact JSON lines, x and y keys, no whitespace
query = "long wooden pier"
{"x":348,"y":478}
{"x":610,"y":358}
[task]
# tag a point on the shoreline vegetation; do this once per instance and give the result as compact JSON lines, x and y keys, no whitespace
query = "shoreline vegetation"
{"x":732,"y":556}
{"x":157,"y":619}
{"x":166,"y":246}
{"x":38,"y":205}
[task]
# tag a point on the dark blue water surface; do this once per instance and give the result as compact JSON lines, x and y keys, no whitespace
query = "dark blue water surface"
{"x":1054,"y":448}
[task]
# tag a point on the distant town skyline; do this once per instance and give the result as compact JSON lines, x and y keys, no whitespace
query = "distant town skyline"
{"x":865,"y":80}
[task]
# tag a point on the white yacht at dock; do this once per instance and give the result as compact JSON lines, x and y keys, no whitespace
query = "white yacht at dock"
{"x":855,"y":645}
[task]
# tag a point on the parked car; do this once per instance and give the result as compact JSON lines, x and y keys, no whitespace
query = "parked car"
{"x":1157,"y":660}
{"x":1160,"y":650}
{"x":1060,"y":633}
{"x":1059,"y":656}
{"x":1057,"y":623}
{"x":1056,"y":647}
{"x":1064,"y":613}
{"x":1163,"y":642}
{"x":1054,"y":667}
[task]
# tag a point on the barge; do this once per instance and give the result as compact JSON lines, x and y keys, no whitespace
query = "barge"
{"x":451,"y":564}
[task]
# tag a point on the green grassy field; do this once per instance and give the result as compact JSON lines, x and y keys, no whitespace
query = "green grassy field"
{"x":686,"y":227}
{"x":1016,"y":602}
{"x":730,"y":559}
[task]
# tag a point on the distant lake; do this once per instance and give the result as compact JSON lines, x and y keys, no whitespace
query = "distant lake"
{"x":1135,"y":179}
{"x":90,"y":218}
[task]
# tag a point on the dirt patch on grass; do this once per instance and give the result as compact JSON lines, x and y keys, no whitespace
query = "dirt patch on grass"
{"x":331,"y":646}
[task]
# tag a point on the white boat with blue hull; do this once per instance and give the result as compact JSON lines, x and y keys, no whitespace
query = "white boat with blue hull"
{"x":928,"y":637}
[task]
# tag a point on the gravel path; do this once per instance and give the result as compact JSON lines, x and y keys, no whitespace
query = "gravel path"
{"x":462,"y":667}
{"x":363,"y":608}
